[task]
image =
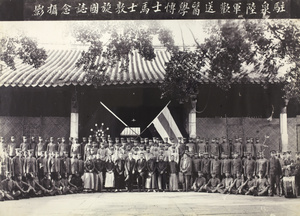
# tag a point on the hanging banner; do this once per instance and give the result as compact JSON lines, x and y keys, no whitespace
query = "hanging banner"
{"x":154,"y":9}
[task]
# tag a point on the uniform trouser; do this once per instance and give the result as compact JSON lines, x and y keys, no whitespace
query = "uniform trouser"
{"x":274,"y":180}
{"x":222,"y":190}
{"x":197,"y":187}
{"x":119,"y":181}
{"x":263,"y":192}
{"x":210,"y":189}
{"x":141,"y":180}
{"x":129,"y":181}
{"x":161,"y":180}
{"x":186,"y":182}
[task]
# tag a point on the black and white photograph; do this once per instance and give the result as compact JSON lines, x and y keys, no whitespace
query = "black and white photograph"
{"x":149,"y":107}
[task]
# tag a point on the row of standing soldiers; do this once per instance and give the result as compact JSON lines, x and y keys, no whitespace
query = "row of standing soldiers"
{"x":197,"y":145}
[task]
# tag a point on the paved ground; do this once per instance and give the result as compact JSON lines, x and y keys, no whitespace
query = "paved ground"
{"x":151,"y":204}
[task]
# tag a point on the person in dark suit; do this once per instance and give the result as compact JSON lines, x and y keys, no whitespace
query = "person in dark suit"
{"x":141,"y":166}
{"x":119,"y":172}
{"x":129,"y":171}
{"x":274,"y":173}
{"x":161,"y":173}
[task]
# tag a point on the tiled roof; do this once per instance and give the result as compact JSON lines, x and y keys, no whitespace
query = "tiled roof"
{"x":60,"y":70}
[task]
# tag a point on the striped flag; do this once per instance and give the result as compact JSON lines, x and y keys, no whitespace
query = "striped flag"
{"x":166,"y":126}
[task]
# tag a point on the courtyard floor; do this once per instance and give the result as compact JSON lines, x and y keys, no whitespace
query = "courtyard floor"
{"x":176,"y":203}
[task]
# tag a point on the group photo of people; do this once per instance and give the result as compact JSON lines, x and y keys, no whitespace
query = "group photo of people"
{"x":48,"y":167}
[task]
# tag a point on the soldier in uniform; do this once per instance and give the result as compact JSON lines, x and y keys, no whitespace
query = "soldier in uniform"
{"x":41,"y":166}
{"x":10,"y":188}
{"x":51,"y":147}
{"x":238,"y":147}
{"x":181,"y":147}
{"x":74,"y":164}
{"x":64,"y":147}
{"x":25,"y":144}
{"x":84,"y":142}
{"x":196,"y":166}
{"x":250,"y":165}
{"x":249,"y":148}
{"x":32,"y":145}
{"x":214,"y":148}
{"x":205,"y":166}
{"x":225,"y":184}
{"x":75,"y":147}
{"x":226,"y":165}
{"x":215,"y":166}
{"x":191,"y":147}
{"x":40,"y":147}
{"x":237,"y":165}
{"x":65,"y":168}
{"x":259,"y":147}
{"x":225,"y":147}
{"x":51,"y":165}
{"x":87,"y":148}
{"x":199,"y":182}
{"x":274,"y":173}
{"x":262,"y":184}
{"x":3,"y":146}
{"x":237,"y":183}
{"x":211,"y":186}
{"x":249,"y":186}
{"x":18,"y":164}
{"x":261,"y":164}
{"x":202,"y":147}
{"x":80,"y":165}
{"x":12,"y":147}
{"x":30,"y":165}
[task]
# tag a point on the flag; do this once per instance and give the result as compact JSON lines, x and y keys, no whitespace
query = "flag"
{"x":166,"y":126}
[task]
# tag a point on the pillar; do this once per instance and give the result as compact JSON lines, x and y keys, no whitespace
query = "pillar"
{"x":283,"y":127}
{"x":193,"y":118}
{"x":74,"y":118}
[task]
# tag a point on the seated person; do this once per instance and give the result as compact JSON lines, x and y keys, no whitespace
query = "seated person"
{"x":38,"y":190}
{"x":226,"y":183}
{"x":211,"y":186}
{"x":199,"y":182}
{"x":262,"y":185}
{"x":48,"y":185}
{"x":237,"y":183}
{"x":10,"y":188}
{"x":249,"y":186}
{"x":76,"y":180}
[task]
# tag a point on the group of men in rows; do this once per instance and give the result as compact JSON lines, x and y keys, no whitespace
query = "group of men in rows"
{"x":68,"y":166}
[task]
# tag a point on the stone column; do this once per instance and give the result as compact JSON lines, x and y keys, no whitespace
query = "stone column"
{"x":192,"y":117}
{"x":74,"y":118}
{"x":283,"y":127}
